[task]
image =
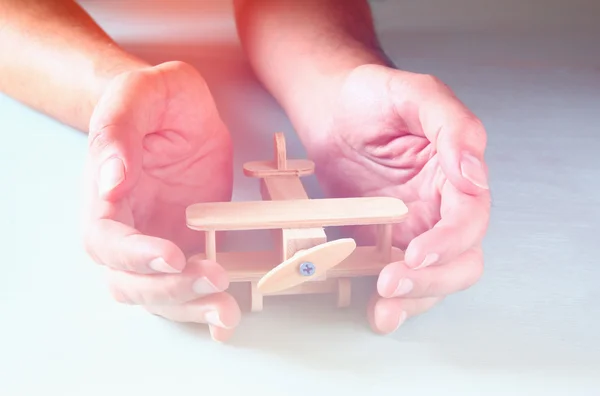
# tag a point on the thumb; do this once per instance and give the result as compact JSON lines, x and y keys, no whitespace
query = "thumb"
{"x":115,"y":142}
{"x":460,"y":141}
{"x":114,"y":161}
{"x":115,"y":138}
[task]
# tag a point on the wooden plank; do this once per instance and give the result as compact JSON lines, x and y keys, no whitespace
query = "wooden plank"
{"x":302,"y":213}
{"x":283,"y":188}
{"x":280,"y":151}
{"x":324,"y":257}
{"x":290,"y":240}
{"x":344,"y":292}
{"x":384,"y":239}
{"x":251,"y":266}
{"x":296,"y":167}
{"x":321,"y":287}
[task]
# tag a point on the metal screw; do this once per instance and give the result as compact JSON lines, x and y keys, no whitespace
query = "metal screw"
{"x":307,"y":269}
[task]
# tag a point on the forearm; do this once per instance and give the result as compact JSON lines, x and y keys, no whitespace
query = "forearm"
{"x":56,"y":59}
{"x":298,"y":47}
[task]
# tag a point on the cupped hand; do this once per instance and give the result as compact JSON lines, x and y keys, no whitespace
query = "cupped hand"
{"x":157,"y":145}
{"x":406,"y":135}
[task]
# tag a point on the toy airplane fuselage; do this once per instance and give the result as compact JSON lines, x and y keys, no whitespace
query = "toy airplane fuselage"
{"x":306,"y":261}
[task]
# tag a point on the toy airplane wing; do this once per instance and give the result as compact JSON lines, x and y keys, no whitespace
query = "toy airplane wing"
{"x":306,"y":262}
{"x":295,"y":213}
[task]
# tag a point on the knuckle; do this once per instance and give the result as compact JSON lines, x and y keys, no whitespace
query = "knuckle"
{"x":186,"y":70}
{"x":472,"y":132}
{"x":429,"y":288}
{"x":110,"y":139}
{"x":172,"y":294}
{"x":474,"y":123}
{"x":476,"y":268}
{"x":168,"y":290}
{"x":483,"y":225}
{"x":428,"y":82}
{"x":100,"y":140}
{"x":479,"y":265}
{"x":429,"y":285}
{"x":474,"y":126}
{"x":229,"y":302}
{"x":124,"y":262}
{"x":89,"y":247}
{"x":177,"y":65}
{"x":118,"y":294}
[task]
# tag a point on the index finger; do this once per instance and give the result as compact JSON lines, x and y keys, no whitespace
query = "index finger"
{"x":122,"y":247}
{"x":463,"y":224}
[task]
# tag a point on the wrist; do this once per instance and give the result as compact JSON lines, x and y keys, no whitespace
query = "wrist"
{"x":302,"y":51}
{"x":60,"y":59}
{"x":111,"y":64}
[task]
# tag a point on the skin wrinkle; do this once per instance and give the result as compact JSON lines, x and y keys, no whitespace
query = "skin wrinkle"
{"x":401,"y":158}
{"x":127,"y":207}
{"x":100,"y":140}
{"x":336,"y":26}
{"x":159,"y":201}
{"x":379,"y":158}
{"x":184,"y":164}
{"x":407,"y":168}
{"x":365,"y":158}
{"x":349,"y":118}
{"x":161,"y":122}
{"x":141,"y":209}
{"x":366,"y":137}
{"x":171,"y":141}
{"x":439,"y":180}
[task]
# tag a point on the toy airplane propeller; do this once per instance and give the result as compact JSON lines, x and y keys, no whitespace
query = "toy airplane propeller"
{"x":306,"y":262}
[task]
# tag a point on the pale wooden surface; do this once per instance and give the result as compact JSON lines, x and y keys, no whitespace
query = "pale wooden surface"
{"x":326,"y":286}
{"x":300,"y":167}
{"x":326,"y":212}
{"x":344,"y":292}
{"x":252,"y":265}
{"x":324,"y":257}
{"x":290,"y":240}
{"x":280,"y":151}
{"x":276,"y":187}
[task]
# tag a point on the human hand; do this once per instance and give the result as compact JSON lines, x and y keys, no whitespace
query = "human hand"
{"x":157,"y":145}
{"x":400,"y":134}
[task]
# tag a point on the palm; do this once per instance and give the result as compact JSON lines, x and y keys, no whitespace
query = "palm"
{"x":183,"y":149}
{"x":372,"y":151}
{"x":176,"y":174}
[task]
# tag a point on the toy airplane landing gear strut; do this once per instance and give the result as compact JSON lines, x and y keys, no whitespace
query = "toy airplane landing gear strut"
{"x":306,"y":261}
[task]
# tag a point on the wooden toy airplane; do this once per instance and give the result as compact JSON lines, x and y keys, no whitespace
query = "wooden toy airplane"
{"x":306,"y":262}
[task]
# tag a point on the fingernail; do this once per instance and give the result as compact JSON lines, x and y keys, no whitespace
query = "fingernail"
{"x":401,"y":319}
{"x":430,"y":259}
{"x":404,"y":287}
{"x":472,"y":170}
{"x":160,"y":265}
{"x":213,"y":318}
{"x":203,"y":286}
{"x":112,"y":173}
